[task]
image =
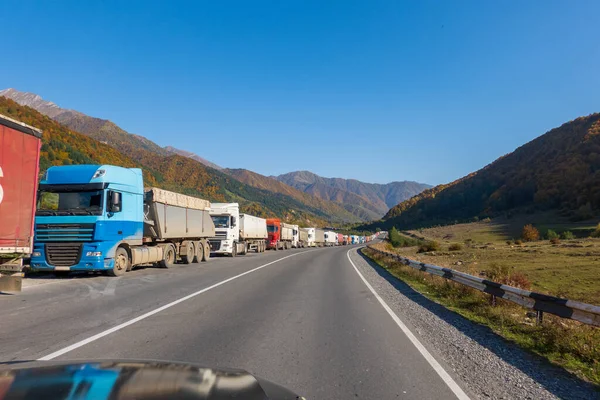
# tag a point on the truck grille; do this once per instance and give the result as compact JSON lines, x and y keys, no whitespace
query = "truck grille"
{"x":64,"y":232}
{"x":215,"y":245}
{"x":63,"y":254}
{"x":221,"y":234}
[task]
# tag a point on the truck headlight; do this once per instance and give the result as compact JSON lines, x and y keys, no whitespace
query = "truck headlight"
{"x":94,"y":254}
{"x":36,"y":254}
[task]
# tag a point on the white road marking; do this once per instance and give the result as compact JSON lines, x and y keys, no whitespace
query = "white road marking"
{"x":155,"y":311}
{"x":426,"y":354}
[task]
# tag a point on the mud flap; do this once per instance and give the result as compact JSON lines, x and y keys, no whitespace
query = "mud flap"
{"x":11,"y":283}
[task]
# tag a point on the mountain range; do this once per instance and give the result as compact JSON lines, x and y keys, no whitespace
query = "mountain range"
{"x":326,"y":200}
{"x":558,"y":172}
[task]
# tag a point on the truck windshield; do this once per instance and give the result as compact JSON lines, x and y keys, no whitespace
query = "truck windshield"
{"x":220,"y":221}
{"x":70,"y":203}
{"x":271,"y":228}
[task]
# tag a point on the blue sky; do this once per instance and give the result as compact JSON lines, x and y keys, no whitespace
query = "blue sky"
{"x":377,"y":91}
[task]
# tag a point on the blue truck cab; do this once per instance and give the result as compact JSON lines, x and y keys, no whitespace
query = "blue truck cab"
{"x":84,"y":213}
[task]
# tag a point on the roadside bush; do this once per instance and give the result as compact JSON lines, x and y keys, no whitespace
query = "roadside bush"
{"x":530,"y":233}
{"x":497,"y":273}
{"x":430,"y":245}
{"x":555,"y":240}
{"x":518,"y":242}
{"x":455,"y":247}
{"x":567,"y":235}
{"x":399,"y":240}
{"x":502,"y":274}
{"x":508,"y":242}
{"x":550,"y":234}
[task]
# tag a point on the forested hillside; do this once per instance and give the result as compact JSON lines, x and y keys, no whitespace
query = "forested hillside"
{"x":559,"y":171}
{"x":62,"y":146}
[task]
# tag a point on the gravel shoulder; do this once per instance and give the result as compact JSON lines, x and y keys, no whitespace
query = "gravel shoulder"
{"x":487,"y":364}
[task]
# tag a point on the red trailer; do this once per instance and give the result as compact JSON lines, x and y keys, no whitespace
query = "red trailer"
{"x":340,"y":239}
{"x":19,"y":168}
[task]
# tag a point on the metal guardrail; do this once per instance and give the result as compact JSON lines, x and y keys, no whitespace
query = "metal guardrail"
{"x":541,"y":303}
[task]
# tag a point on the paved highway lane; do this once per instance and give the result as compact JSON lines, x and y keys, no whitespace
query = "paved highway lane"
{"x":308,"y":322}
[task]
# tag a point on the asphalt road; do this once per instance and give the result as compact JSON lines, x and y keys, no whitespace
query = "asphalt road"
{"x":302,"y":318}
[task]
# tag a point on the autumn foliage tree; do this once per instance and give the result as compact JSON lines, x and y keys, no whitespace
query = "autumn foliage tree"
{"x":530,"y":233}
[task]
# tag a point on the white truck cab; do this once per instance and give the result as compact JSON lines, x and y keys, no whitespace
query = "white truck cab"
{"x":225,"y":216}
{"x":311,"y":237}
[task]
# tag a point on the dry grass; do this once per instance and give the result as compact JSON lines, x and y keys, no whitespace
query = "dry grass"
{"x":573,"y":345}
{"x":569,"y":268}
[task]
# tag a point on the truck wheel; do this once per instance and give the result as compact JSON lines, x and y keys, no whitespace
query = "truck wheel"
{"x":198,"y":249}
{"x":121,"y":264}
{"x":234,"y":250}
{"x":245,"y":251}
{"x":189,"y":255}
{"x":206,"y":252}
{"x":168,"y":260}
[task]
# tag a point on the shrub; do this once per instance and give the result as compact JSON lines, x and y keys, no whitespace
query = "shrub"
{"x":518,"y":242}
{"x":502,"y":274}
{"x":596,"y":233}
{"x":567,"y":235}
{"x":555,"y":240}
{"x":399,"y":240}
{"x":455,"y":247}
{"x":530,"y":233}
{"x":550,"y":234}
{"x":428,"y":246}
{"x":497,"y":273}
{"x":508,"y":242}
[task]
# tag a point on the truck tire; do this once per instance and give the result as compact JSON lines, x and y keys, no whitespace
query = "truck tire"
{"x":198,"y":249}
{"x":234,"y":250}
{"x":169,"y":257}
{"x":189,"y":255}
{"x":121,"y":264}
{"x":245,"y":251}
{"x":206,"y":252}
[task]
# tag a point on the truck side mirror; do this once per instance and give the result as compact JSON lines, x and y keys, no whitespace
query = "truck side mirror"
{"x":233,"y":222}
{"x":115,"y":201}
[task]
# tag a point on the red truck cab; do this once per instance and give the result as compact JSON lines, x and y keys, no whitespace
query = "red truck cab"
{"x":273,"y":232}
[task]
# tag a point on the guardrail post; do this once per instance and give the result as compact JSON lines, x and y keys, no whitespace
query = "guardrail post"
{"x":539,"y":317}
{"x":493,"y":300}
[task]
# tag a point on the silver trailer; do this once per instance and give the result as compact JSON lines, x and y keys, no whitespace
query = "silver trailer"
{"x":178,"y":225}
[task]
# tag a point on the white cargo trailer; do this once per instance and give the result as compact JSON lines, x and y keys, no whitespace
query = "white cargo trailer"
{"x":319,"y":237}
{"x":236,"y":233}
{"x":303,"y":242}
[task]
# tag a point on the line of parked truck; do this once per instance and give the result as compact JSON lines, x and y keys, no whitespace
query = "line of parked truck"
{"x":102,"y":218}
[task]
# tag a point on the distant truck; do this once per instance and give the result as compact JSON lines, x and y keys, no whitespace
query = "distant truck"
{"x":310,"y":236}
{"x":19,"y":169}
{"x":236,"y":233}
{"x":330,"y":238}
{"x":346,"y":240}
{"x":340,"y":239}
{"x":100,"y":218}
{"x":303,"y":234}
{"x":295,"y":236}
{"x":354,"y":239}
{"x":319,"y":237}
{"x":280,"y":234}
